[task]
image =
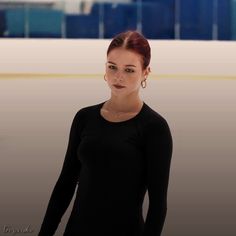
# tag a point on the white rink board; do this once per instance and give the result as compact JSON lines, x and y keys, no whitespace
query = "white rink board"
{"x":88,"y":56}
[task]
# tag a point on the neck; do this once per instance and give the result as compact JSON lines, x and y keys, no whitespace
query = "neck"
{"x":124,"y":105}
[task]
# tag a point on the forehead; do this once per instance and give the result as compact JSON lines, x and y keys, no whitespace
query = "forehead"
{"x":124,"y":56}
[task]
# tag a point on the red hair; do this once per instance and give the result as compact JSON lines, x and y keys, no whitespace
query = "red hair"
{"x":134,"y":41}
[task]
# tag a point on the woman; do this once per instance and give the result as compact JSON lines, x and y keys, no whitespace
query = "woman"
{"x":117,"y":150}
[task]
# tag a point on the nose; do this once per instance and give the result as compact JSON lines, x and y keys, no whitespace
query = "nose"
{"x":119,"y":75}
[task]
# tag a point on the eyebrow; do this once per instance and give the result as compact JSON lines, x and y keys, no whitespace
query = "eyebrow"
{"x":125,"y":65}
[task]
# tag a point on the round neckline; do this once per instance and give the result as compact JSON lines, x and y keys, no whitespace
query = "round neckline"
{"x":119,"y":122}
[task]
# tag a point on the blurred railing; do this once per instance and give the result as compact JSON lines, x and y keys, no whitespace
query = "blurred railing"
{"x":159,"y":19}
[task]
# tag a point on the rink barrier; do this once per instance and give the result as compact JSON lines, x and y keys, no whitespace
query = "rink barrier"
{"x":86,"y":58}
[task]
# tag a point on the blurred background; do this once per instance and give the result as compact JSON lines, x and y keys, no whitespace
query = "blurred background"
{"x":156,"y":19}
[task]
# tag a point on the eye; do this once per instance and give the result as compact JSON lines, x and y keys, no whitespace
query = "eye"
{"x":112,"y":67}
{"x":129,"y":70}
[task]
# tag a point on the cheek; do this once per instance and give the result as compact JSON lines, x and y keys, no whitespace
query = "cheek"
{"x":110,"y":73}
{"x":134,"y":78}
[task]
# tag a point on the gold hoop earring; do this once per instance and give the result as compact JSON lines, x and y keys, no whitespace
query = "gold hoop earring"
{"x":145,"y":83}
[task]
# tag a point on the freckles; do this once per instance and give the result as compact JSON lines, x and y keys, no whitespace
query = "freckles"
{"x":108,"y":74}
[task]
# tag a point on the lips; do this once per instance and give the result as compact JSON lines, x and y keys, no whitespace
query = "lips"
{"x":118,"y":86}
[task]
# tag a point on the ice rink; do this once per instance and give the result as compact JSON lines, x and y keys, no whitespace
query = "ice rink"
{"x":195,"y":90}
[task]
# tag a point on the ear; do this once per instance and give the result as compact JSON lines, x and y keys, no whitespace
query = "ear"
{"x":147,"y":71}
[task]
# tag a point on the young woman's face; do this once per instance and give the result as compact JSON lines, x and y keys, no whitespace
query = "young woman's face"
{"x":123,"y":67}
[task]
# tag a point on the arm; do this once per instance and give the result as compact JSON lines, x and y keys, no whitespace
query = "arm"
{"x":65,"y":186}
{"x":158,"y":153}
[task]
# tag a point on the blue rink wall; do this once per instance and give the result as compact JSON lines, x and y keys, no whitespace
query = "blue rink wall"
{"x":181,"y":19}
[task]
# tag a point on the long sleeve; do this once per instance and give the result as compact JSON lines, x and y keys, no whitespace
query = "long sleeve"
{"x":65,"y":186}
{"x":158,"y":153}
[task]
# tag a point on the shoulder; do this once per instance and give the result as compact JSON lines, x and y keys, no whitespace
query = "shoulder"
{"x":86,"y":111}
{"x":82,"y":116}
{"x":156,"y":128}
{"x":155,"y":125}
{"x":153,"y":118}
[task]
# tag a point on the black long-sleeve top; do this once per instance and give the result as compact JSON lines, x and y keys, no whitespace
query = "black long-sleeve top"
{"x":113,"y":164}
